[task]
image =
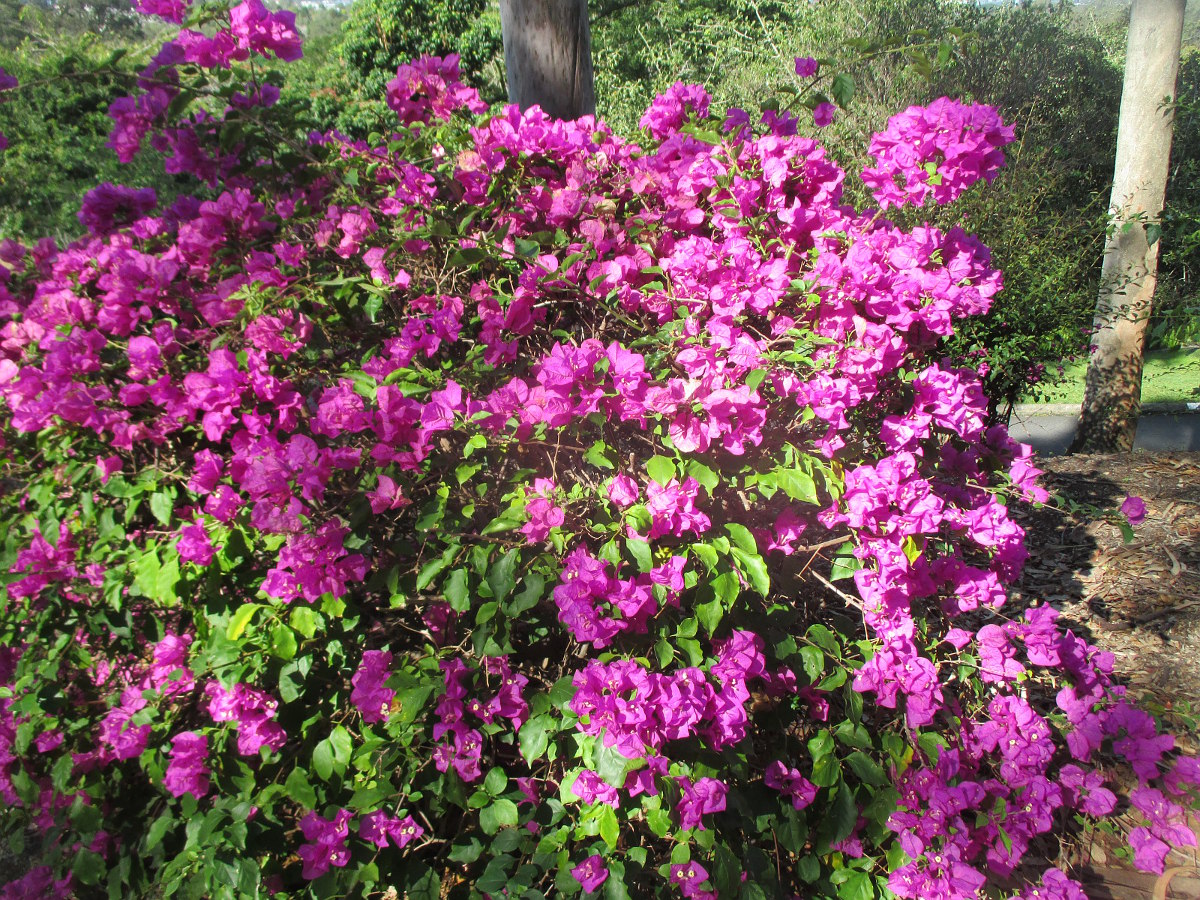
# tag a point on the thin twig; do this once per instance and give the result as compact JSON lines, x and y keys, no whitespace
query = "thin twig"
{"x":857,"y":604}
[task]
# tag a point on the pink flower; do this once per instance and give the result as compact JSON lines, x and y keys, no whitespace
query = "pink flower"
{"x":194,"y":545}
{"x":806,"y":66}
{"x":623,"y":491}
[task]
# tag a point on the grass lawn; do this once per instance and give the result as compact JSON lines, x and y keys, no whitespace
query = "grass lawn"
{"x":1171,"y":376}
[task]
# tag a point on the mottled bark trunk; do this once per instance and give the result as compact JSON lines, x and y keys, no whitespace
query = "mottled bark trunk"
{"x":1112,"y":395}
{"x":548,"y":56}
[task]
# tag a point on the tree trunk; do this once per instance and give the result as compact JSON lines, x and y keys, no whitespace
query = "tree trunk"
{"x":1112,"y":395}
{"x":548,"y":56}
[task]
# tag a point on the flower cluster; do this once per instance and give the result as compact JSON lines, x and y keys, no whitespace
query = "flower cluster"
{"x":938,"y":150}
{"x":429,"y":88}
{"x":252,"y":710}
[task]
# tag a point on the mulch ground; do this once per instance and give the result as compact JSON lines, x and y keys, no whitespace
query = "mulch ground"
{"x":1139,"y":600}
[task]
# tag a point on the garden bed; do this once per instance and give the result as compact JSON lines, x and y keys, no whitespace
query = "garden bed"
{"x":1139,"y":600}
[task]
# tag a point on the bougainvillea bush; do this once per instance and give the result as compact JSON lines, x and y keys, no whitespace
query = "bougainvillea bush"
{"x":498,"y":507}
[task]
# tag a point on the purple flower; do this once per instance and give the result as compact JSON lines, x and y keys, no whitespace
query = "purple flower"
{"x":591,"y":873}
{"x":671,"y":110}
{"x":327,"y":843}
{"x":1134,"y":509}
{"x":737,"y":123}
{"x":806,"y":66}
{"x":377,"y":827}
{"x":1149,"y":853}
{"x":112,"y":206}
{"x":690,"y":876}
{"x":823,"y":114}
{"x":790,"y":783}
{"x":544,"y":514}
{"x":371,"y":694}
{"x":591,"y":788}
{"x":705,"y":796}
{"x":187,"y":773}
{"x":1055,"y":886}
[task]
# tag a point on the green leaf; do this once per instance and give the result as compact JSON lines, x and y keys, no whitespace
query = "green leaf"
{"x":857,"y":886}
{"x":240,"y":619}
{"x":798,"y":484}
{"x":661,"y":469}
{"x":742,"y":537}
{"x":707,"y":554}
{"x":867,"y":769}
{"x":506,"y":521}
{"x":534,"y":738}
{"x":845,"y":563}
{"x":710,"y":615}
{"x":562,"y":692}
{"x":435,"y":567}
{"x":89,"y":867}
{"x":157,"y":831}
{"x":842,"y":89}
{"x":931,"y":745}
{"x":853,"y":734}
{"x":428,"y":885}
{"x":597,"y":455}
{"x":167,"y":578}
{"x":707,"y":478}
{"x":535,"y":586}
{"x":496,"y":781}
{"x":322,"y":760}
{"x":299,"y":789}
{"x":466,"y":853}
{"x":659,"y":821}
{"x":501,"y":578}
{"x":844,"y":814}
{"x":305,"y":620}
{"x":640,"y":551}
{"x":614,"y":884}
{"x":824,"y":638}
{"x":454,"y":589}
{"x":754,"y":568}
{"x":498,"y":814}
{"x":726,"y":588}
{"x":808,"y":868}
{"x":814,"y":662}
{"x":162,"y":506}
{"x":612,"y":767}
{"x":283,"y":641}
{"x":609,"y":829}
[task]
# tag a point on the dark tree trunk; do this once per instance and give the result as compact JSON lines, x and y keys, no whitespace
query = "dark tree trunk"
{"x":548,"y":56}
